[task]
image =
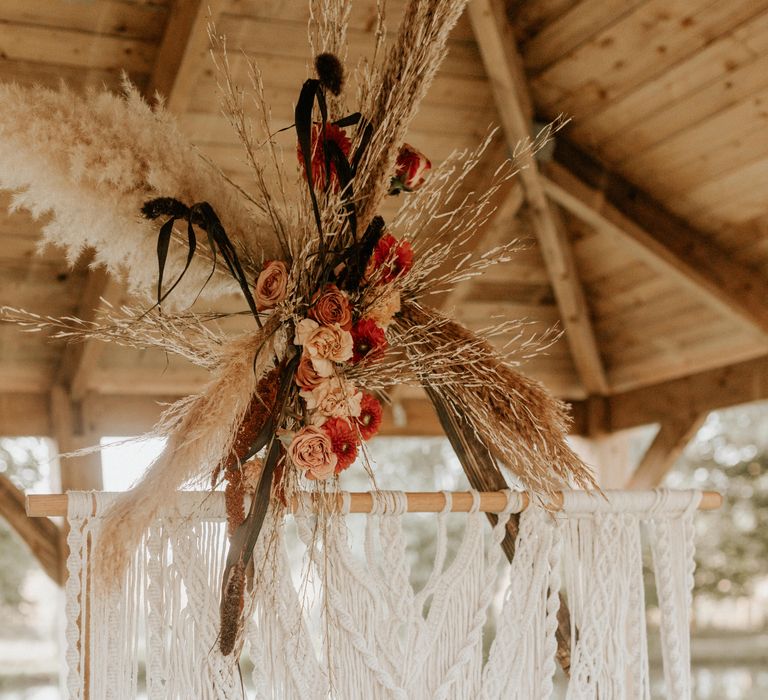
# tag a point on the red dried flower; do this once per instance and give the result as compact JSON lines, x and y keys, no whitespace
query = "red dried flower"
{"x":332,"y":133}
{"x":368,"y":340}
{"x":344,"y":441}
{"x":369,"y":419}
{"x":393,"y":257}
{"x":411,"y":169}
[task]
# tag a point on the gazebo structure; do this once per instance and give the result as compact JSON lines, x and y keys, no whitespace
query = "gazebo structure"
{"x":647,"y":248}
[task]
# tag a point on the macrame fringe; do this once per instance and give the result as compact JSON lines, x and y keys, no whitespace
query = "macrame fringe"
{"x":368,"y":633}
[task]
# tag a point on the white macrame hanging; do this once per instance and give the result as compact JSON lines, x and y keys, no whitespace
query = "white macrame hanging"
{"x":376,"y":636}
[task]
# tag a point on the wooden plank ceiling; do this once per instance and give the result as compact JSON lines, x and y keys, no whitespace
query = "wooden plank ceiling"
{"x":667,"y":97}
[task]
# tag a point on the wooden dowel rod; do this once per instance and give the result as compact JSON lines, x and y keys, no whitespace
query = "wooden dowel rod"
{"x":55,"y":504}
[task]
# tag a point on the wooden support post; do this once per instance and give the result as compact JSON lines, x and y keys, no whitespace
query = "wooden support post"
{"x":663,"y":452}
{"x":77,"y":473}
{"x":41,"y":535}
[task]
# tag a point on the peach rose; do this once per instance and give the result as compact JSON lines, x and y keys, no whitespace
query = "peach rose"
{"x":323,"y":344}
{"x":384,"y":308}
{"x":334,"y":398}
{"x":307,"y":377}
{"x":272,"y":284}
{"x":331,"y":306}
{"x":311,"y":450}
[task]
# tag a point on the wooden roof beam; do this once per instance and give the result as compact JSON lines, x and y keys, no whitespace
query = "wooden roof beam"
{"x":182,"y":49}
{"x":611,"y":204}
{"x":42,"y":536}
{"x":504,"y":68}
{"x":687,"y":398}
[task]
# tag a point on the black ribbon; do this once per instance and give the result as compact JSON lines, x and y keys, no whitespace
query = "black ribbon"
{"x":204,"y":217}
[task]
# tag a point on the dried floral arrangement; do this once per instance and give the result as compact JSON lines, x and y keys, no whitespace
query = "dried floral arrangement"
{"x":337,"y":295}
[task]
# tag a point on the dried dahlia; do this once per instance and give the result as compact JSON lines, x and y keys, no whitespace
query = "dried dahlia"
{"x":392,"y":257}
{"x":344,"y":441}
{"x":369,"y":420}
{"x":339,"y":137}
{"x":368,"y":340}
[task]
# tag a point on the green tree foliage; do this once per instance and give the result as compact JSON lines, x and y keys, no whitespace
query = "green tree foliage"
{"x":21,"y":460}
{"x":730,"y":454}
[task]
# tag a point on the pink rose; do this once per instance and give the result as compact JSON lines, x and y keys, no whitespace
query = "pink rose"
{"x":411,"y":168}
{"x":271,"y":285}
{"x":333,"y":398}
{"x":311,"y":450}
{"x":323,"y":344}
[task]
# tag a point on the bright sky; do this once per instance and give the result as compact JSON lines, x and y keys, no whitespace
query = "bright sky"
{"x":124,"y":463}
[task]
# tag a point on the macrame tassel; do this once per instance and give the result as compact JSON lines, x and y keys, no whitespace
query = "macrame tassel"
{"x":521,"y":663}
{"x":672,"y":545}
{"x":602,"y":556}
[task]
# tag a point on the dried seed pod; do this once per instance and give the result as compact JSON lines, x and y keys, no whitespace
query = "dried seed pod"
{"x":330,"y":72}
{"x":254,"y":420}
{"x":232,"y":609}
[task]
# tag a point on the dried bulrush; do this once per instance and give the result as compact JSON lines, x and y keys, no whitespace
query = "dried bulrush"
{"x":330,"y":72}
{"x":232,"y":603}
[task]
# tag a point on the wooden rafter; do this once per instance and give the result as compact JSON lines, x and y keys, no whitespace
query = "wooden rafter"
{"x":667,"y":446}
{"x":609,"y":203}
{"x":41,"y":535}
{"x":181,"y":51}
{"x":504,"y":68}
{"x":183,"y":48}
{"x":687,"y":397}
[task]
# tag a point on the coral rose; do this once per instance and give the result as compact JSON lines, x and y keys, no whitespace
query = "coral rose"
{"x":311,"y":450}
{"x":340,"y":138}
{"x":307,"y":377}
{"x":272,"y":284}
{"x":344,"y":441}
{"x":384,"y":307}
{"x":369,"y":419}
{"x":369,"y":340}
{"x":331,"y":306}
{"x":391,"y":258}
{"x":335,"y":397}
{"x":411,"y":169}
{"x":323,"y":344}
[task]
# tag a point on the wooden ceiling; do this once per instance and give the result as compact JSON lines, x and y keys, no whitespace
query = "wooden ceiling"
{"x":648,"y":227}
